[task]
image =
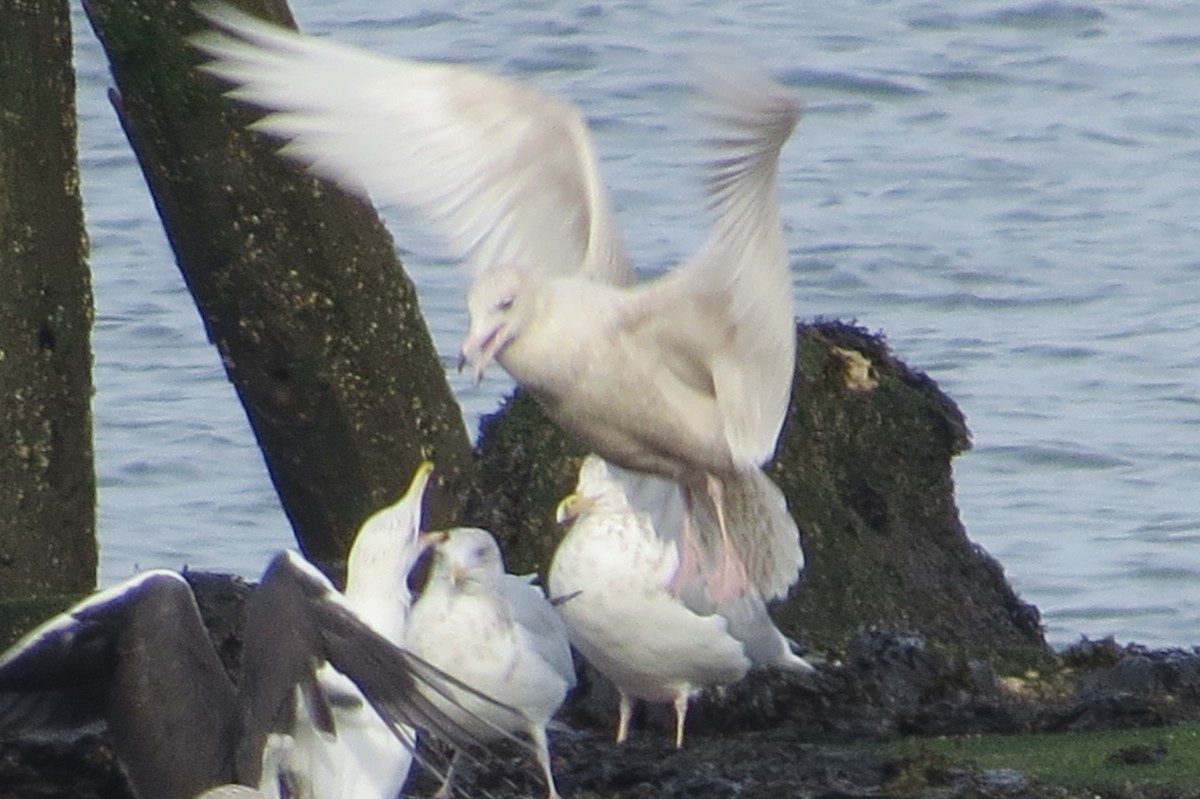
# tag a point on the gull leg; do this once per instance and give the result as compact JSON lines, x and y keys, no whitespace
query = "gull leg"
{"x":729,"y":580}
{"x":681,"y":708}
{"x":446,"y":791}
{"x":543,"y":756}
{"x":624,"y":714}
{"x":691,"y":552}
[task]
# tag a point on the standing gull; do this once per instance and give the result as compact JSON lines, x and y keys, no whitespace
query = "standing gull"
{"x":137,"y":656}
{"x":496,"y":633}
{"x":613,"y":571}
{"x":366,"y":758}
{"x":687,"y":376}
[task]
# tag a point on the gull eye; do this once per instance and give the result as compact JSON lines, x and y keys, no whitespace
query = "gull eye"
{"x":505,"y":304}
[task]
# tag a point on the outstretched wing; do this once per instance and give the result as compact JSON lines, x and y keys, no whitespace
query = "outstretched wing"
{"x":296,"y":620}
{"x":506,"y":172}
{"x":738,"y":286}
{"x":56,"y":679}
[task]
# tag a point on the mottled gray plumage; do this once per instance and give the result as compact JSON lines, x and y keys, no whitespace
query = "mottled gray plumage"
{"x":498,"y":634}
{"x":614,"y":569}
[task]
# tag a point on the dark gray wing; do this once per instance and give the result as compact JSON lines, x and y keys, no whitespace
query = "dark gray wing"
{"x":53,"y":682}
{"x":136,"y":655}
{"x":297,"y":620}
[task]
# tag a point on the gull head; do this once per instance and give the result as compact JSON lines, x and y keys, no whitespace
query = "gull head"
{"x":595,"y":477}
{"x":388,"y":545}
{"x":467,"y":555}
{"x":499,"y":302}
{"x":572,"y":507}
{"x":396,"y":526}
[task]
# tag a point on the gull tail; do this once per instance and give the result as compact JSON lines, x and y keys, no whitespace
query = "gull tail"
{"x":759,"y":550}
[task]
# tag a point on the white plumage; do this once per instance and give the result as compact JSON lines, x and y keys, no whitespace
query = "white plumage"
{"x":497,"y":634}
{"x":364,"y":758}
{"x":613,"y":571}
{"x":687,"y":376}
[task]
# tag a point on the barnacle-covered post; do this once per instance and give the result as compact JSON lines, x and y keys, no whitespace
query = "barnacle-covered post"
{"x":47,"y":477}
{"x":298,"y":285}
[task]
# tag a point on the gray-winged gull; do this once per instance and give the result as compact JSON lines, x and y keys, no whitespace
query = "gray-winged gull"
{"x":496,"y":633}
{"x":138,"y":657}
{"x":613,"y":571}
{"x":365,"y":758}
{"x":687,"y":376}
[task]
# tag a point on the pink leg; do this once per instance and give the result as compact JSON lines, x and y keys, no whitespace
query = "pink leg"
{"x":691,"y":556}
{"x":543,"y":757}
{"x":728,"y":581}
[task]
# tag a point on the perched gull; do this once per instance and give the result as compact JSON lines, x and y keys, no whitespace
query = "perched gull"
{"x":612,"y":572}
{"x":687,"y":376}
{"x":496,"y":633}
{"x":138,"y":657}
{"x":365,"y":759}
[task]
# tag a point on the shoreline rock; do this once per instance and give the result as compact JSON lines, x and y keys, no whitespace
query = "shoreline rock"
{"x":773,"y":734}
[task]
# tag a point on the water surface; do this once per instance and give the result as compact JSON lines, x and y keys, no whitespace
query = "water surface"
{"x":1008,"y":190}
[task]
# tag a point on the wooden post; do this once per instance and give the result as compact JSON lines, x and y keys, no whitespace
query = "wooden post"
{"x":47,"y":478}
{"x":298,"y":285}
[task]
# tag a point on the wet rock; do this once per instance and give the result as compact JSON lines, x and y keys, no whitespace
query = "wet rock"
{"x":773,"y":734}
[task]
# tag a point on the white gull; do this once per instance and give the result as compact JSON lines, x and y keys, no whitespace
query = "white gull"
{"x":611,"y":577}
{"x":365,"y":758}
{"x":687,"y":376}
{"x":496,"y":633}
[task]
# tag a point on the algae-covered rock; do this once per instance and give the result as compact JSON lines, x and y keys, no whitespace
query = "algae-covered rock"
{"x":864,"y":461}
{"x":526,"y":464}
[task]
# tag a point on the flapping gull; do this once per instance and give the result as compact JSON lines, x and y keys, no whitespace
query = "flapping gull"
{"x":137,"y":656}
{"x":687,"y":376}
{"x":496,"y":633}
{"x":366,"y":759}
{"x":613,"y":570}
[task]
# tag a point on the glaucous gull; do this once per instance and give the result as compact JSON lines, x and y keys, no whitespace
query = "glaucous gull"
{"x":496,"y":633}
{"x":137,"y":657}
{"x":611,"y":577}
{"x":687,"y":376}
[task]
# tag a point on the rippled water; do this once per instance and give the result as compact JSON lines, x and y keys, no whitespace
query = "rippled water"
{"x":1008,"y":190}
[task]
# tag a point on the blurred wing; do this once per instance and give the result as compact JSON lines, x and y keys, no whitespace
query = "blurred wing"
{"x":507,"y":173}
{"x":54,"y":680}
{"x":738,"y":285}
{"x":763,"y":532}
